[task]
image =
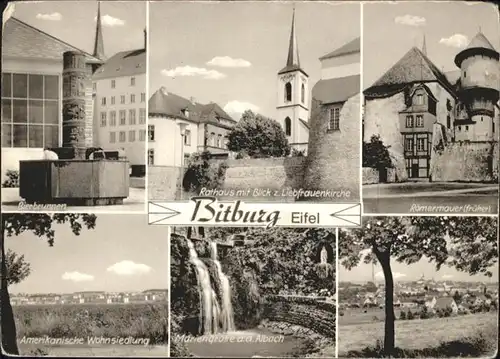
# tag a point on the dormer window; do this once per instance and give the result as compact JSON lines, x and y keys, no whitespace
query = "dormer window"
{"x":419,"y":99}
{"x":185,"y":112}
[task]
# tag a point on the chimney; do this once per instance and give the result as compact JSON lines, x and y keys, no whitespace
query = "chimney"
{"x":145,"y":40}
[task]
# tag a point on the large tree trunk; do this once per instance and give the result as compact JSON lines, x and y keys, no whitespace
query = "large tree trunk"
{"x":389,"y":337}
{"x":8,"y":333}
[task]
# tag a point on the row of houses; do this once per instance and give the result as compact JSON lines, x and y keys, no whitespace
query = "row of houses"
{"x":90,"y":297}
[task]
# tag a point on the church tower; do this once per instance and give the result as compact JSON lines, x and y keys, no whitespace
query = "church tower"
{"x":99,"y":42}
{"x":293,"y":96}
{"x":480,"y":81}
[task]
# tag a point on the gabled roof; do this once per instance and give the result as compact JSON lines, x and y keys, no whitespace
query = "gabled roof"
{"x":414,"y":66}
{"x":336,"y":90}
{"x":444,"y":302}
{"x":124,"y":63}
{"x":349,"y":48}
{"x":25,"y":41}
{"x":169,"y":104}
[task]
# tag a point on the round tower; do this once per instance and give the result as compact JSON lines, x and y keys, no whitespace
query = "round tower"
{"x":480,"y":83}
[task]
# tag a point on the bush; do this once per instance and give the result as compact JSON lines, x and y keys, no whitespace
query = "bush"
{"x":12,"y":180}
{"x":297,"y":153}
{"x":202,"y":173}
{"x":402,"y":316}
{"x":410,"y":315}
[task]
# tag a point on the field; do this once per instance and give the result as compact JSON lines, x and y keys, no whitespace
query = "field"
{"x":417,"y":333}
{"x":372,"y":315}
{"x":140,"y":321}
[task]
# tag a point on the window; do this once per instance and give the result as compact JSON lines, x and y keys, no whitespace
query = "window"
{"x":103,"y":101}
{"x":112,"y":118}
{"x":303,"y":94}
{"x":419,"y":121}
{"x":334,"y":119}
{"x":409,"y":121}
{"x":30,"y":110}
{"x":122,"y":99}
{"x":132,"y":98}
{"x":131,"y":116}
{"x":460,"y":128}
{"x":226,"y":142}
{"x":112,"y":100}
{"x":288,"y":126}
{"x":131,"y":136}
{"x":142,"y":116}
{"x":151,"y":157}
{"x":421,"y":144}
{"x":448,"y":122}
{"x":493,"y":127}
{"x":151,"y":132}
{"x":481,"y":118}
{"x":103,"y":119}
{"x":288,"y":92}
{"x":466,"y":128}
{"x":143,"y":97}
{"x":113,"y":84}
{"x":123,"y":117}
{"x":94,"y":86}
{"x":419,"y":100}
{"x":465,"y":74}
{"x":142,"y":135}
{"x":219,"y":141}
{"x":132,"y":81}
{"x":187,"y":138}
{"x":112,"y":137}
{"x":212,"y":139}
{"x":122,"y":136}
{"x":409,"y":144}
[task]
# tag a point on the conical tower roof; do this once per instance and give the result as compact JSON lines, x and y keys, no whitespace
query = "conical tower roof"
{"x":292,"y":59}
{"x":479,"y":44}
{"x":99,"y":42}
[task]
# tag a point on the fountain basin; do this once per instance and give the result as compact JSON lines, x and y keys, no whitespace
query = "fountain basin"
{"x":74,"y":182}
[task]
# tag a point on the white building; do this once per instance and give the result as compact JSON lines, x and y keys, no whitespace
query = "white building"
{"x":120,"y":105}
{"x":178,"y":127}
{"x":32,"y":64}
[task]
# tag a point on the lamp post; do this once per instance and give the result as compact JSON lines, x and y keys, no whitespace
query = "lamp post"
{"x":182,"y":127}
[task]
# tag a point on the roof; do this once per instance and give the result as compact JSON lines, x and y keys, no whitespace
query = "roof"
{"x":444,"y":302}
{"x":124,"y":63}
{"x":25,"y":41}
{"x":169,"y":104}
{"x":292,"y":59}
{"x":479,"y":42}
{"x":414,"y":66}
{"x":349,"y":48}
{"x":336,"y":89}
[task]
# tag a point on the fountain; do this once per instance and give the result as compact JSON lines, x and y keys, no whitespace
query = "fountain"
{"x":214,"y":317}
{"x":73,"y":178}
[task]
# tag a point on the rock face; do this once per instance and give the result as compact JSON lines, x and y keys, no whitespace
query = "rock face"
{"x":333,"y":157}
{"x":317,"y":315}
{"x":76,"y":79}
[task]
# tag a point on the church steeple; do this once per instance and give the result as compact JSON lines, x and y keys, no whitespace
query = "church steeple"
{"x":293,"y":48}
{"x":424,"y":47}
{"x":99,"y":42}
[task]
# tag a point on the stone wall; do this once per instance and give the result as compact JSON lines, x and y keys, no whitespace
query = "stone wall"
{"x":382,"y":118}
{"x":164,"y":183}
{"x":264,"y":173}
{"x":334,"y":157}
{"x":313,"y":313}
{"x":465,"y":162}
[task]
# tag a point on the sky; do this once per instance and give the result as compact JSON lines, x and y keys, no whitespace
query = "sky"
{"x":404,"y":272}
{"x":74,"y":22}
{"x":391,"y":30}
{"x":122,"y":253}
{"x":230,"y":53}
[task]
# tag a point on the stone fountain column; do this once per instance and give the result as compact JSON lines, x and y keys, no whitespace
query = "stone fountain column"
{"x":76,"y":81}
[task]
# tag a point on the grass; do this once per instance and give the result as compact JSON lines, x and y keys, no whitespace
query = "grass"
{"x":136,"y":320}
{"x":358,"y":316}
{"x":468,"y":334}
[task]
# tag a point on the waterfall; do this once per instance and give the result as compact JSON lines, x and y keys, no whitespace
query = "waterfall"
{"x":209,"y":309}
{"x":227,"y":317}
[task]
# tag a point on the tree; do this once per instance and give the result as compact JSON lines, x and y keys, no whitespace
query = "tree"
{"x":258,"y":136}
{"x":454,"y":241}
{"x":13,"y":224}
{"x":17,"y":268}
{"x":376,"y":154}
{"x":457,"y":297}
